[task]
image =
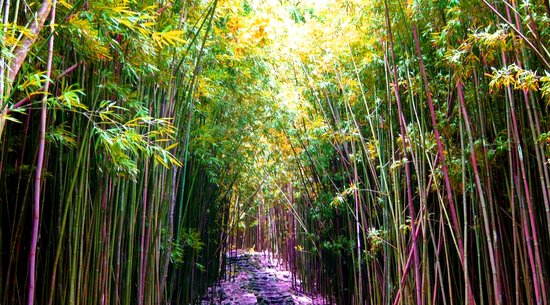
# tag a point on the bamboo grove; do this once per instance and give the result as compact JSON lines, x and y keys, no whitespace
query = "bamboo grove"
{"x":125,"y":214}
{"x":388,"y":152}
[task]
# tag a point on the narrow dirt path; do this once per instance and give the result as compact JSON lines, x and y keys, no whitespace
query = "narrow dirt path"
{"x":255,"y":279}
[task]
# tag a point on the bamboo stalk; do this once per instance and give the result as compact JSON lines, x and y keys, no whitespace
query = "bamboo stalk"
{"x":41,"y":150}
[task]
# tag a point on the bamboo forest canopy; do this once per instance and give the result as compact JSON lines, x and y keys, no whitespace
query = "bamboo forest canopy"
{"x":389,"y":152}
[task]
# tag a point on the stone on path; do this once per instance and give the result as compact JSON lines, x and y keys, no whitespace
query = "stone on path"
{"x":255,"y":281}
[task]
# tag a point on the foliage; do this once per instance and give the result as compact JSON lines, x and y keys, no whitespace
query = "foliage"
{"x":389,"y":152}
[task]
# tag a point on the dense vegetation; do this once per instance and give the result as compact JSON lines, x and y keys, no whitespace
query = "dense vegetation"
{"x":390,"y":152}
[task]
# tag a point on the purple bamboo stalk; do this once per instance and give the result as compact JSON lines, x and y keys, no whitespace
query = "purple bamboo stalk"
{"x":440,"y":150}
{"x":403,"y":129}
{"x":495,"y":273}
{"x":536,"y":266}
{"x":534,"y":127}
{"x":406,"y":270}
{"x":39,"y":165}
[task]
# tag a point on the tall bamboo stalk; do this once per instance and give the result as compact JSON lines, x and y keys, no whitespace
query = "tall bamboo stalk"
{"x":39,"y":164}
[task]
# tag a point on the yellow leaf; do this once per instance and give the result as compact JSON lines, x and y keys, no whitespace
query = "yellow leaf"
{"x":172,"y":146}
{"x":168,"y":38}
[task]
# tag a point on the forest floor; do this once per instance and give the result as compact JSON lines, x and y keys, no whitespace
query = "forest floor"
{"x":257,"y":278}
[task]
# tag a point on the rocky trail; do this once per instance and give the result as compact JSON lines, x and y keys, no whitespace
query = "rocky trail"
{"x":254,"y":278}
